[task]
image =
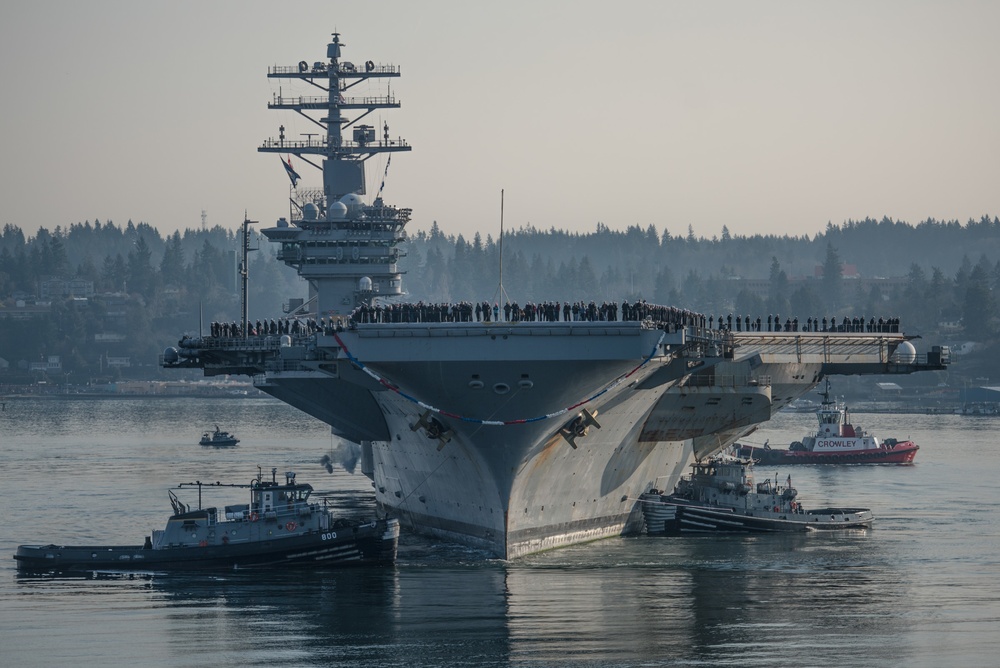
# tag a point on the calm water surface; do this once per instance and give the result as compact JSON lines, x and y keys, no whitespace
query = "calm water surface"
{"x":921,"y":589}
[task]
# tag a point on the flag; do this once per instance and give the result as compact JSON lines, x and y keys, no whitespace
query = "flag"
{"x":385,"y":174}
{"x":292,"y":174}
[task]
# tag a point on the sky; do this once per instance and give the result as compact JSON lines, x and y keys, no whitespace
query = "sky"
{"x":764,"y":117}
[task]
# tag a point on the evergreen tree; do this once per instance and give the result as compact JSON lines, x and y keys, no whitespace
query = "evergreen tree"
{"x":6,"y":265}
{"x":663,"y":286}
{"x":873,"y":303}
{"x":57,"y":259}
{"x":804,"y":303}
{"x":114,"y":274}
{"x":979,"y":310}
{"x":141,"y":276}
{"x":172,"y":264}
{"x":586,"y":278}
{"x":652,"y":239}
{"x":88,"y":271}
{"x":777,"y":301}
{"x":12,"y":238}
{"x":748,"y":303}
{"x":833,"y":277}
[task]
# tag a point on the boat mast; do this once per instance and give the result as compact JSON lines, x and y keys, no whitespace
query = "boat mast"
{"x":826,"y":393}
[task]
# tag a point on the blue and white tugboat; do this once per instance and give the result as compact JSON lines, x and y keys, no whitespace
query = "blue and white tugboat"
{"x":280,"y":526}
{"x":720,"y":495}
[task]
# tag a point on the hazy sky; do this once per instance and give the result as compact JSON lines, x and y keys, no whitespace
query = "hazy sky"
{"x":766,"y":117}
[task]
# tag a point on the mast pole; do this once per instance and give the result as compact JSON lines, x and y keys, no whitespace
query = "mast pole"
{"x":501,"y":244}
{"x":501,"y":294}
{"x":244,"y":269}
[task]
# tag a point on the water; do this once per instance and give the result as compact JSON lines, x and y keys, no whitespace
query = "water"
{"x":921,"y":589}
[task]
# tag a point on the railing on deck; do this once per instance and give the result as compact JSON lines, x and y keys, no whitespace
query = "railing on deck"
{"x":726,"y":380}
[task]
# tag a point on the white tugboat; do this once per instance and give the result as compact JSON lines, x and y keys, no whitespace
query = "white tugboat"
{"x":720,"y":496}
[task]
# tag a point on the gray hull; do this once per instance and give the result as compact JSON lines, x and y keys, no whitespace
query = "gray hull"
{"x":529,"y":484}
{"x":522,"y":487}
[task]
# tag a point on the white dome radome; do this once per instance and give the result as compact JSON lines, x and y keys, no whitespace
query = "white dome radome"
{"x":336,"y":211}
{"x":353,"y":203}
{"x":310,"y":212}
{"x":365,"y":284}
{"x":905,"y":353}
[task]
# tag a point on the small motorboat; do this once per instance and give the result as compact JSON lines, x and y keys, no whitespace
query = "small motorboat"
{"x":280,"y":526}
{"x":720,"y":496}
{"x":836,"y":441}
{"x":218,"y":438}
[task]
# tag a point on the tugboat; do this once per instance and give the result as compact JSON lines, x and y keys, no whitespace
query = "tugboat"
{"x":218,"y":438}
{"x":280,"y":526}
{"x":837,"y":441}
{"x":720,"y":496}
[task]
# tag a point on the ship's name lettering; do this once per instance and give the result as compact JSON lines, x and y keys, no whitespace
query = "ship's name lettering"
{"x":834,"y":444}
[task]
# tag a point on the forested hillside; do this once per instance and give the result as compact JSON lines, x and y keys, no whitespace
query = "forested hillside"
{"x":148,"y":289}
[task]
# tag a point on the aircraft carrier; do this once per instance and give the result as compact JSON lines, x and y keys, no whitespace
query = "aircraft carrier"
{"x":511,"y":435}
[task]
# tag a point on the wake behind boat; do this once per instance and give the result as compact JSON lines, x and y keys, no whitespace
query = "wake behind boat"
{"x":720,"y":496}
{"x":280,"y":526}
{"x":218,"y":438}
{"x":836,"y":441}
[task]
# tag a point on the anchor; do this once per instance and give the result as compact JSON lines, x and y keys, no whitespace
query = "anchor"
{"x":434,"y":428}
{"x":579,"y":426}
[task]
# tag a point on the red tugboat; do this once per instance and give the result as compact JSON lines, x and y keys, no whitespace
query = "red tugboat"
{"x":836,"y":442}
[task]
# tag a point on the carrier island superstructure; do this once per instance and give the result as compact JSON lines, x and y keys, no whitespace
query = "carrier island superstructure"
{"x":511,"y":436}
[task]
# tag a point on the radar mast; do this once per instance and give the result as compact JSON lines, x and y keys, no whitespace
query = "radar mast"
{"x":345,"y":248}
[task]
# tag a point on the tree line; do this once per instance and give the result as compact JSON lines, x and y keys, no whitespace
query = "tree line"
{"x":951,"y":270}
{"x":166,"y":284}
